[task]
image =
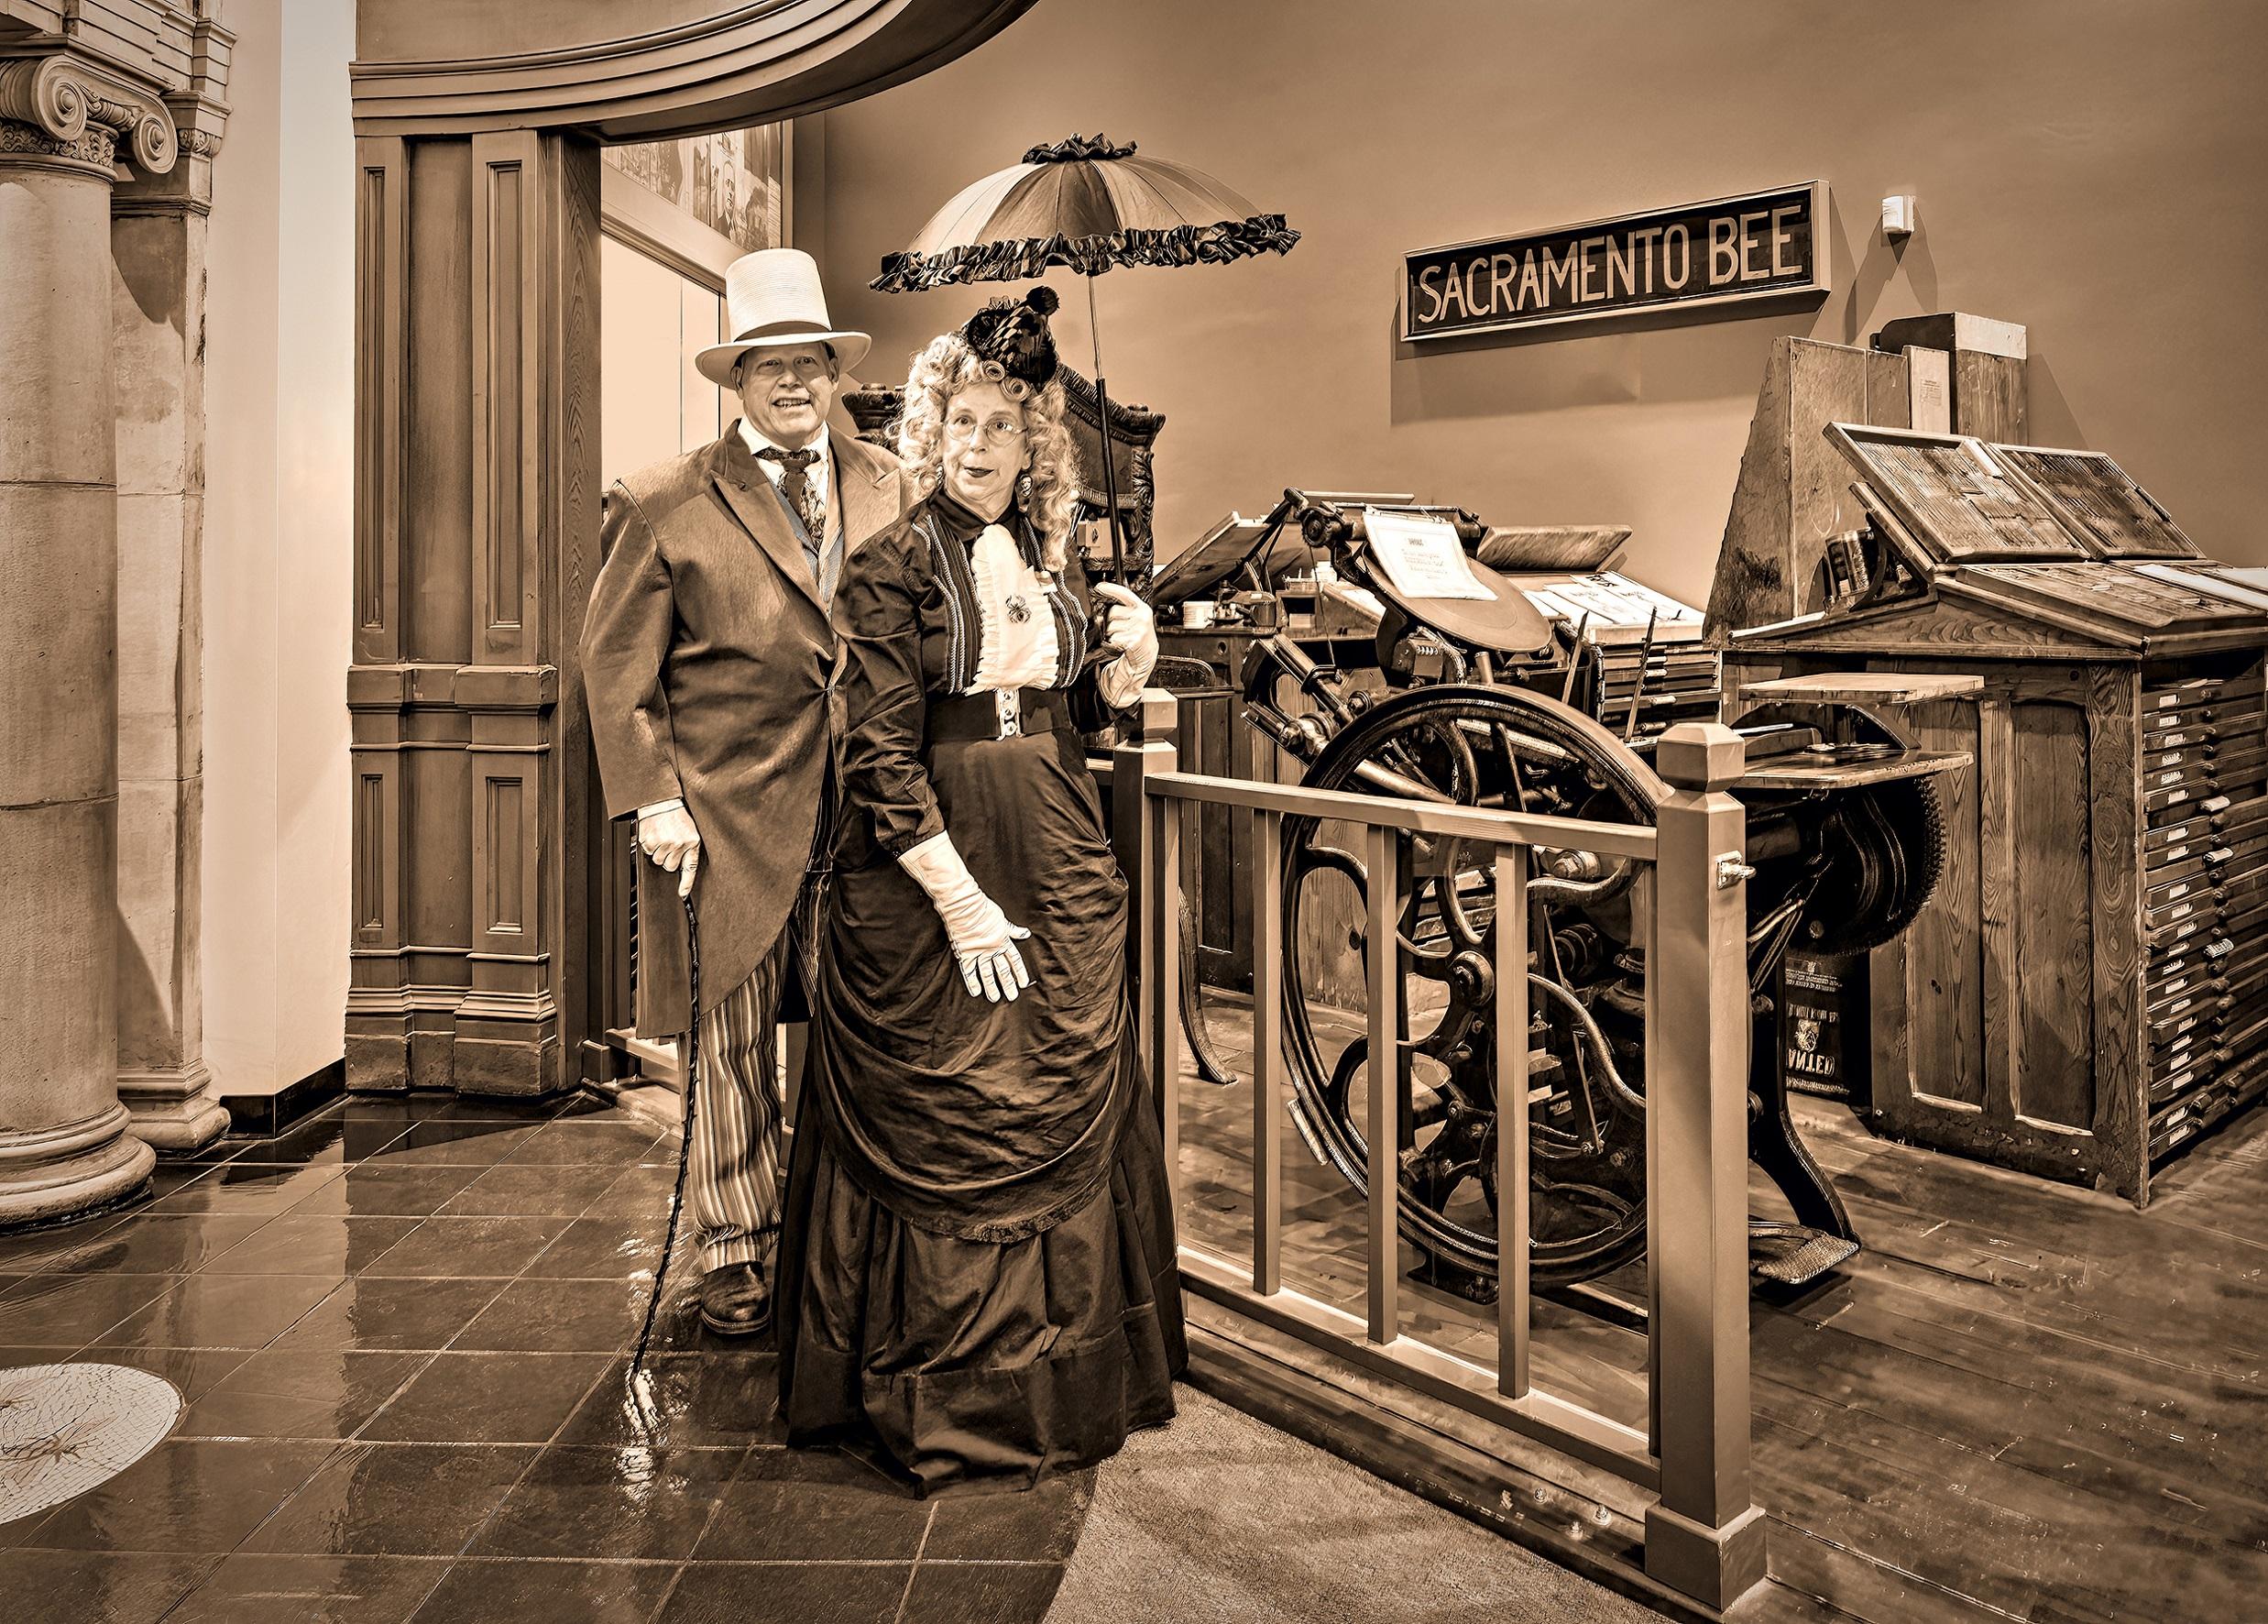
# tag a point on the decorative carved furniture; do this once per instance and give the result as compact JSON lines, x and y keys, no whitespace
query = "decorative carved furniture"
{"x":1134,"y":440}
{"x":874,"y":407}
{"x":1132,"y":443}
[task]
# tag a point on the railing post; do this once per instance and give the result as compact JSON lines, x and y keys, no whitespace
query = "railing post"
{"x":1382,"y":862}
{"x":1149,"y":748}
{"x":1268,"y":1053}
{"x":1138,"y":832}
{"x":1513,"y":1241}
{"x":1705,"y":1536}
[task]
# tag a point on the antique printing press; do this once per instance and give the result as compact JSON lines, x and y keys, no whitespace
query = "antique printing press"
{"x":1472,"y":701}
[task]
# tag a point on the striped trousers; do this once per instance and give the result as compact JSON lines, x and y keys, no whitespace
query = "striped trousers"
{"x":732,"y":1176}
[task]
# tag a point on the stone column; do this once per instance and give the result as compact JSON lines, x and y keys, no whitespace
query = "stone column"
{"x":158,"y":296}
{"x":64,"y":1147}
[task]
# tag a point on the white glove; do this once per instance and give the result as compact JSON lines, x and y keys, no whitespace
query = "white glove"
{"x":983,"y":942}
{"x":668,"y":836}
{"x":1129,"y":627}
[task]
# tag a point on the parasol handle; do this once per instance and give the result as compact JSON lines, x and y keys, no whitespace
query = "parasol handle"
{"x":1109,"y":464}
{"x":1109,"y":483}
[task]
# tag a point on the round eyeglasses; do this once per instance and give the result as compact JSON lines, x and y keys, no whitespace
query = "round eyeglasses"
{"x":995,"y":430}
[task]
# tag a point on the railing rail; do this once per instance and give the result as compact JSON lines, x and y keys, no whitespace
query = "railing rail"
{"x":1704,"y":1536}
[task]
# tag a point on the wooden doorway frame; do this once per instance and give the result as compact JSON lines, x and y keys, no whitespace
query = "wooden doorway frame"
{"x":477,"y":220}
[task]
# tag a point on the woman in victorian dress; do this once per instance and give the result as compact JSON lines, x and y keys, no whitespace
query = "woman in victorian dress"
{"x":978,"y":1264}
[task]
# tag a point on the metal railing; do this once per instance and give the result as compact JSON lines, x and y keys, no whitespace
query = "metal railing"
{"x":1704,"y":1536}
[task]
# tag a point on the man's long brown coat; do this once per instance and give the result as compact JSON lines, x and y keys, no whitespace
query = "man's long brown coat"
{"x":705,"y":658}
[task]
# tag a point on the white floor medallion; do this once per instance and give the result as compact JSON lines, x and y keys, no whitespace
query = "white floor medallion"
{"x":65,"y":1427}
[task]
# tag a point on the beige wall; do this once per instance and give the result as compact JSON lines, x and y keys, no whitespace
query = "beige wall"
{"x":2090,"y":168}
{"x":278,"y":550}
{"x":651,"y":322}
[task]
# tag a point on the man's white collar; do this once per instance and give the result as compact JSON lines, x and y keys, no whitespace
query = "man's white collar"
{"x":756,"y":443}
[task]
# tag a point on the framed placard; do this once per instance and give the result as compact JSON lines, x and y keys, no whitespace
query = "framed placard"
{"x":1762,"y":245}
{"x":1421,"y":555}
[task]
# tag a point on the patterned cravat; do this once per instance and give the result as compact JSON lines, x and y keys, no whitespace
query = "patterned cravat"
{"x":802,"y":492}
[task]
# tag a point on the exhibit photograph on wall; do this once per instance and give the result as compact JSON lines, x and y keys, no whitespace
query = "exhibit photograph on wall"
{"x":733,"y":182}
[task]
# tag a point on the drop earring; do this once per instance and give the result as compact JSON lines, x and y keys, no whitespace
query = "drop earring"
{"x":1023,"y":492}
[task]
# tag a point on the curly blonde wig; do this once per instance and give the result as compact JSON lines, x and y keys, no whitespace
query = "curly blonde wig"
{"x":948,"y":367}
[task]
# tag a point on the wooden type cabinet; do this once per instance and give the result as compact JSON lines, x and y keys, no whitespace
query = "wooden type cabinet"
{"x":2088,"y":991}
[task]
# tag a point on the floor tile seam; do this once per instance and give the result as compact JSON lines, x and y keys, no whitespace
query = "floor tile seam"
{"x":545,"y":1250}
{"x":504,"y":1284}
{"x":426,"y":1357}
{"x":434,"y":1357}
{"x":99,"y":1347}
{"x":495,"y":1558}
{"x":453,"y":1335}
{"x":669,"y":1591}
{"x":992,"y":1562}
{"x":95,"y":1344}
{"x":246,"y":1158}
{"x":194,"y":1586}
{"x":567,"y":1417}
{"x":269,"y":1221}
{"x":367,"y":1445}
{"x":94,"y":1235}
{"x":424,"y":1218}
{"x":446,"y":1565}
{"x":716,"y":1504}
{"x":274,"y":1511}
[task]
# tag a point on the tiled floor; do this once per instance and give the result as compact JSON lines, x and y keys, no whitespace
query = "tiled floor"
{"x":401,"y":1333}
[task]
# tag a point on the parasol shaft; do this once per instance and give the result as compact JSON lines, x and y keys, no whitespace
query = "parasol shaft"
{"x":1109,"y":464}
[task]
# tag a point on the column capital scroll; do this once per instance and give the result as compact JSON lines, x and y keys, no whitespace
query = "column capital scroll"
{"x":70,"y":96}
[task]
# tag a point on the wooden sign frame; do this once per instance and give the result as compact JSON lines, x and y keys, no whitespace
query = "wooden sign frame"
{"x":1510,"y":257}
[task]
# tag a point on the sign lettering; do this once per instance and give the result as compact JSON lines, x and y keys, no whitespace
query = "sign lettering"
{"x":1767,"y":244}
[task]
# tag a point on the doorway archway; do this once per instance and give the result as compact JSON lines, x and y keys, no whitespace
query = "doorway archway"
{"x":477,"y":485}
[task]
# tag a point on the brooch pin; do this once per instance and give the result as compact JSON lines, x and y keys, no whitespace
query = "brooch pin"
{"x":1019,"y":611}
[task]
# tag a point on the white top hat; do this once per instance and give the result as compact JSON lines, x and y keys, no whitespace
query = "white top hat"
{"x":773,"y":297}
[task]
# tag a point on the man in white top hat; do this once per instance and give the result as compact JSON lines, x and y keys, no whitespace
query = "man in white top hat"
{"x":706,"y":656}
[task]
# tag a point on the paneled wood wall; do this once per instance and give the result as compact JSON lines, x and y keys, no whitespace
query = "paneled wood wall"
{"x":476,"y":538}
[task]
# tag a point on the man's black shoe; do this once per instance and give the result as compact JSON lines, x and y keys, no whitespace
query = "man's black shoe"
{"x":736,"y":1301}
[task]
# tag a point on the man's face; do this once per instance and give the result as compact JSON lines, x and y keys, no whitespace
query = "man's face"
{"x":787,"y":390}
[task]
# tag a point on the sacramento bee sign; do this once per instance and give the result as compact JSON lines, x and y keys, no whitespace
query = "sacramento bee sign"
{"x":1764,"y":245}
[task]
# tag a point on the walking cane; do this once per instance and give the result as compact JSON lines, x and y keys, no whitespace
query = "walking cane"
{"x":639,"y":1385}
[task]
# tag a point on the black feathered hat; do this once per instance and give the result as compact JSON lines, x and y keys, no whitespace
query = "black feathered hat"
{"x":1013,"y":334}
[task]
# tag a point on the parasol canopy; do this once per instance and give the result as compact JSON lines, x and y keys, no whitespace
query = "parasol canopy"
{"x":1086,"y":204}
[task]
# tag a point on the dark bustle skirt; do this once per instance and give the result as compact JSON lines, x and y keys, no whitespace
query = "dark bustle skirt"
{"x":976,"y":1365}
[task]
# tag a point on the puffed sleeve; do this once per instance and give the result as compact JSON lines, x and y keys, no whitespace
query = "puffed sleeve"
{"x":625,"y":649}
{"x":881,"y":709}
